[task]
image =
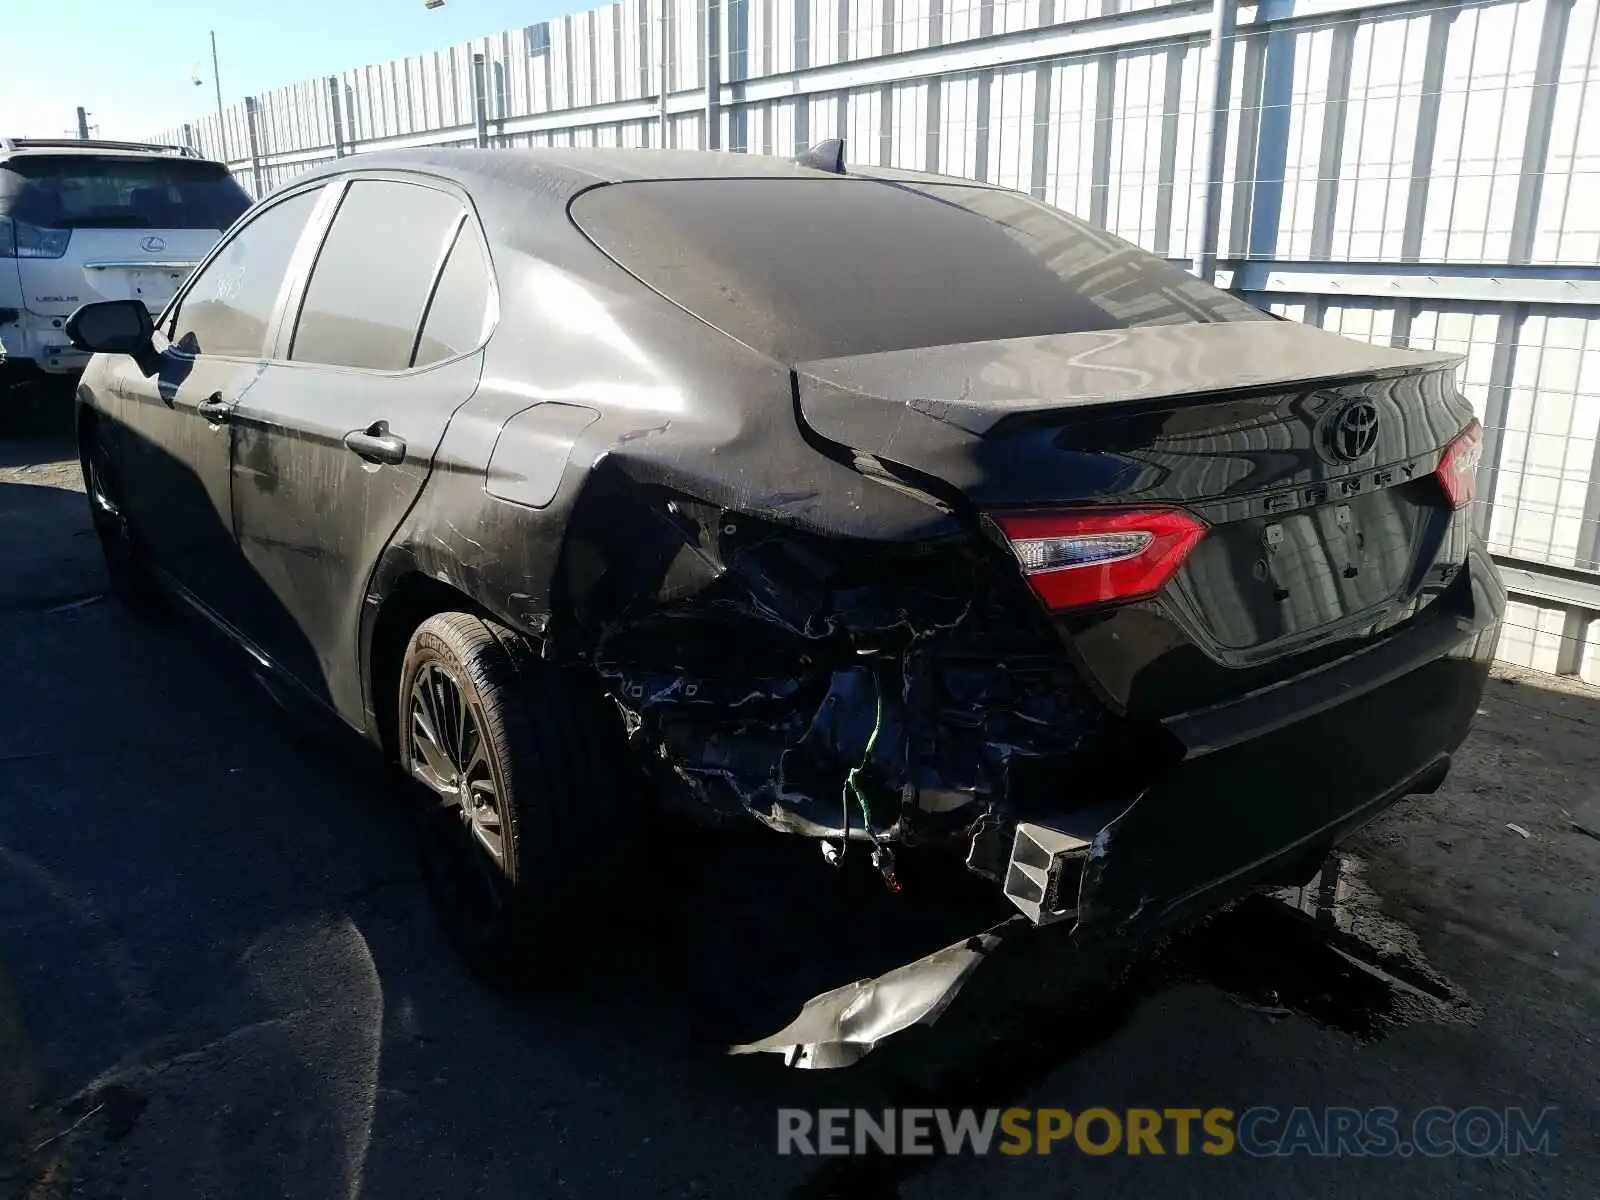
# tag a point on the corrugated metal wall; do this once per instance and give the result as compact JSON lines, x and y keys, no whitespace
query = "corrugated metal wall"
{"x":1423,"y":174}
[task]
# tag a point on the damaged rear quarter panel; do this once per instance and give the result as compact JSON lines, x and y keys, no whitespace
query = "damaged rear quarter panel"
{"x":786,"y":636}
{"x":679,"y":409}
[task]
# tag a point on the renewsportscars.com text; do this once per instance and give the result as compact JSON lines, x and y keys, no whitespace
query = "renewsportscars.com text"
{"x":1261,"y":1131}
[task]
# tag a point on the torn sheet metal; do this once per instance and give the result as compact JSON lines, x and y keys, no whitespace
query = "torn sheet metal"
{"x":840,"y":1027}
{"x":834,"y":689}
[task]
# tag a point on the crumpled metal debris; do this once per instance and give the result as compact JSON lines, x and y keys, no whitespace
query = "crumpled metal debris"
{"x":842,"y":1026}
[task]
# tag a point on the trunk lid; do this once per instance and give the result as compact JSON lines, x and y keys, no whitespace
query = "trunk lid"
{"x":1310,"y":458}
{"x":113,"y":264}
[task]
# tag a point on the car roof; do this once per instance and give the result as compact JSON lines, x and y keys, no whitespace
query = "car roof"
{"x":77,"y":148}
{"x":560,"y":172}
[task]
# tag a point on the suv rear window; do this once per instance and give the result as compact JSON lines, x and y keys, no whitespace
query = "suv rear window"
{"x":119,"y":192}
{"x":802,"y":269}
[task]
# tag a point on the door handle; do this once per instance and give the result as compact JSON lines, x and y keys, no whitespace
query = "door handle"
{"x":376,"y":444}
{"x":214,"y":408}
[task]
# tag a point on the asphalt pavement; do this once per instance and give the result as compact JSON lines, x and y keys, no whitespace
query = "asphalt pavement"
{"x":219,"y":975}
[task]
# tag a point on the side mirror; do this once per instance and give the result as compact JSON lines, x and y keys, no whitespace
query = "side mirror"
{"x":111,"y":327}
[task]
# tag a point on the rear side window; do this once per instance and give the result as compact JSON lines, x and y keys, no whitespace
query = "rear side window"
{"x":119,"y":192}
{"x":228,"y":307}
{"x":374,"y":274}
{"x":803,"y":269}
{"x":460,"y":305}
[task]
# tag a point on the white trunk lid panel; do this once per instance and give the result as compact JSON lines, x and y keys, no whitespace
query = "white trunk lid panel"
{"x":113,"y":264}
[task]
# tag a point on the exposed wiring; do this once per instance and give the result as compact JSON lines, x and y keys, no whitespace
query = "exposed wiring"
{"x":882,"y":856}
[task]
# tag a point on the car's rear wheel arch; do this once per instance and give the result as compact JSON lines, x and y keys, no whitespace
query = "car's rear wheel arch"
{"x":407,"y":603}
{"x":533,"y":790}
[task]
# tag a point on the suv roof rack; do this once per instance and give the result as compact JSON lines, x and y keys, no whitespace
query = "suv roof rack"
{"x":62,"y":143}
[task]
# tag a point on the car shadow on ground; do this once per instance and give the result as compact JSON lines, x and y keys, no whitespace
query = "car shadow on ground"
{"x":224,"y":977}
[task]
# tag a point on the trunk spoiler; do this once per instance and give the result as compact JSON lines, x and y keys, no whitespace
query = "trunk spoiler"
{"x":975,"y":385}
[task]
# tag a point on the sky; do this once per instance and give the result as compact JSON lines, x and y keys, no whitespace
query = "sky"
{"x":132,"y":63}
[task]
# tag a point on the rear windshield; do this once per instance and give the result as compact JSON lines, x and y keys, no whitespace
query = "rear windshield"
{"x":804,"y":269}
{"x":84,"y":192}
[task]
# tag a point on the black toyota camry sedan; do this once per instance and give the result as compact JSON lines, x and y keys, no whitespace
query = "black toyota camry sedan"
{"x":898,"y":512}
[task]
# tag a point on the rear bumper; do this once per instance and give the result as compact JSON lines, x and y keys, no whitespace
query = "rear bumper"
{"x":31,"y":338}
{"x":1263,"y":789}
{"x":1266,"y":785}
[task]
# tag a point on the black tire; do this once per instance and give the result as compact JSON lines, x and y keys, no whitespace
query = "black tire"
{"x":16,"y":398}
{"x":554,"y":763}
{"x":127,"y":566}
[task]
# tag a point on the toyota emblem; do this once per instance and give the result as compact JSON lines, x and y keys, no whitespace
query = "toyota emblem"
{"x":1354,"y":431}
{"x":154,"y":244}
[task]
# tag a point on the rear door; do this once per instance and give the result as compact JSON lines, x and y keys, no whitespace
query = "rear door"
{"x":113,"y":226}
{"x":333,"y":445}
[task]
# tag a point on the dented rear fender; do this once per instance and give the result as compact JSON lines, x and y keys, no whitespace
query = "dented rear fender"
{"x":589,"y":514}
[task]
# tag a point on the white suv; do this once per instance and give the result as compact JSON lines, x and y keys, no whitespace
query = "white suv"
{"x":89,"y":220}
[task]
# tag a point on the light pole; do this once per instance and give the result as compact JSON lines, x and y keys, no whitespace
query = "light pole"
{"x":216,"y":77}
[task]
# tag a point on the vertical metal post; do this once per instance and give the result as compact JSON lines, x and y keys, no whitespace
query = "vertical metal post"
{"x":1224,"y":15}
{"x":255,"y":143}
{"x":480,"y":104}
{"x":666,"y":62}
{"x":1541,"y":118}
{"x":83,"y":124}
{"x":1496,"y":408}
{"x":222,"y":123}
{"x":713,"y":75}
{"x":216,"y":77}
{"x":1330,"y":159}
{"x":336,"y":107}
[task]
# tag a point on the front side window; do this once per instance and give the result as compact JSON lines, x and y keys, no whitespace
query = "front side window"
{"x":372,"y":280}
{"x":229,"y":307}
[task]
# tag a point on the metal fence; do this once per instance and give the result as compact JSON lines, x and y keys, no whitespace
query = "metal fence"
{"x":1422,"y":174}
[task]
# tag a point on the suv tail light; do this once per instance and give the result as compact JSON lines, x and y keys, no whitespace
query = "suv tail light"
{"x":1458,"y":466}
{"x":18,"y":239}
{"x":1073,"y":559}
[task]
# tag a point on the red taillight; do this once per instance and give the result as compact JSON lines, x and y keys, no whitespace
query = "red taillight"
{"x":1072,"y":559}
{"x":1458,"y":466}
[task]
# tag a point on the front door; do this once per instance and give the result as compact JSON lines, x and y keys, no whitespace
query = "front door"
{"x":333,"y":446}
{"x":174,"y":444}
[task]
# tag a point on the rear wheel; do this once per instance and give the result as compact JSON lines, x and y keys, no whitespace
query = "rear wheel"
{"x":126,"y":564}
{"x":533,"y":815}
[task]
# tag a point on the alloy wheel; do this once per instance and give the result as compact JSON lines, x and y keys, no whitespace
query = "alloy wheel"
{"x":450,"y":757}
